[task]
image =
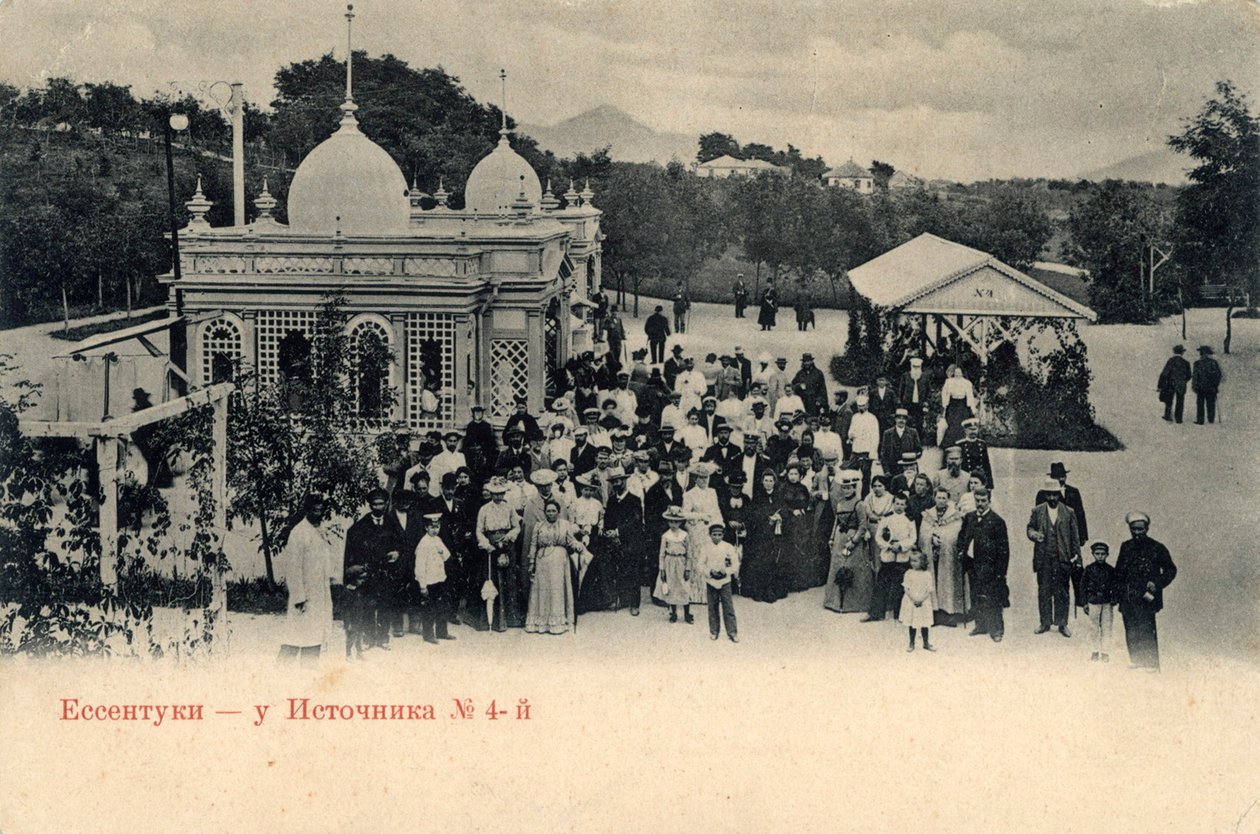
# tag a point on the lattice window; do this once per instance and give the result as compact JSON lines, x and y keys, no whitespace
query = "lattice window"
{"x":220,"y":351}
{"x":272,"y":327}
{"x":551,"y":344}
{"x":509,"y":374}
{"x":431,"y":367}
{"x":369,"y":368}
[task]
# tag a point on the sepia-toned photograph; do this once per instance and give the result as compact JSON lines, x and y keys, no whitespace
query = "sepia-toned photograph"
{"x":590,"y":416}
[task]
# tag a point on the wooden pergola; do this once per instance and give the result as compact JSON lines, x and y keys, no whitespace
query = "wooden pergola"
{"x":968,"y":292}
{"x":111,"y":434}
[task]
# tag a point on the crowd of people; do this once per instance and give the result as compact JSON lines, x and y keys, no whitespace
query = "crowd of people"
{"x":676,"y":485}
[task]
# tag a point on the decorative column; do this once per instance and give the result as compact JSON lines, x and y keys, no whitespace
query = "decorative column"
{"x":465,"y":339}
{"x":537,"y":363}
{"x":249,"y":343}
{"x":398,"y":329}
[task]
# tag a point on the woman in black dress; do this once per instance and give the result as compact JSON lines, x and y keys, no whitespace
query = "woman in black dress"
{"x":760,"y":576}
{"x":798,"y":540}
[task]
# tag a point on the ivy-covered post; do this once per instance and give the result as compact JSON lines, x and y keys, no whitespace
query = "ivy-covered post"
{"x":218,"y":485}
{"x":107,"y":451}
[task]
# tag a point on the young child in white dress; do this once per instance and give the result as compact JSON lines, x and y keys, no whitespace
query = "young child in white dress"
{"x":920,"y":593}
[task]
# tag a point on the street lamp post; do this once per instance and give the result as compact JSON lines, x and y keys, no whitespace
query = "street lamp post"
{"x":179,"y":331}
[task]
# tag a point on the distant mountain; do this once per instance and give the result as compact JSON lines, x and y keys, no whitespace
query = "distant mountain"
{"x":631,"y":140}
{"x":1161,"y":165}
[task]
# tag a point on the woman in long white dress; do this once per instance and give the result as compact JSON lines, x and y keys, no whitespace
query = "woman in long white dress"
{"x":700,"y":506}
{"x":551,"y":598}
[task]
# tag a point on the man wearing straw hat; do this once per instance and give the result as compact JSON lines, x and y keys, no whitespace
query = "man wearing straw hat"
{"x":497,"y":530}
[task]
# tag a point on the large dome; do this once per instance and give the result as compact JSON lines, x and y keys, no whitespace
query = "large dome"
{"x":351,"y":177}
{"x":498,"y":180}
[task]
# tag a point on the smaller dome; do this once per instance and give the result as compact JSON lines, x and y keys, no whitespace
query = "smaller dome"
{"x":497,"y":181}
{"x":349,"y":176}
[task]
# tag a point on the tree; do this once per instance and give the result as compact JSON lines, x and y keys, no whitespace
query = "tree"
{"x":1107,"y":240}
{"x":882,"y":172}
{"x":756,"y":150}
{"x":1217,"y":233}
{"x":302,"y":433}
{"x":1013,"y":227}
{"x":713,"y":145}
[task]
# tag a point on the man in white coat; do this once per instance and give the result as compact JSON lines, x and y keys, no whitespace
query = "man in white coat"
{"x":309,"y":560}
{"x":864,"y":439}
{"x":449,"y":459}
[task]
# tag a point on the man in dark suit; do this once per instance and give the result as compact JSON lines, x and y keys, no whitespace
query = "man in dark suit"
{"x":1056,"y":542}
{"x":882,"y":402}
{"x":662,"y":495}
{"x":975,"y":458}
{"x":912,"y":394}
{"x":667,"y":447}
{"x":1143,"y":570}
{"x":481,"y":449}
{"x":583,"y":454}
{"x":1172,"y":384}
{"x":745,"y":368}
{"x":657,"y":330}
{"x":370,"y":569}
{"x":725,"y":455}
{"x":1069,"y":495}
{"x":523,"y":420}
{"x":898,"y":442}
{"x":673,"y":365}
{"x":408,"y":514}
{"x":815,"y":386}
{"x":984,"y":531}
{"x":1205,"y":379}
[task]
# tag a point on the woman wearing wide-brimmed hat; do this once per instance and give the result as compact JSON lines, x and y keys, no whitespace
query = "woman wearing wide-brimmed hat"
{"x":674,"y":566}
{"x":701,"y":508}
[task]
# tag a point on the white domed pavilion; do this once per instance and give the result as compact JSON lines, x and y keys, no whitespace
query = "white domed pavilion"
{"x":474,"y":304}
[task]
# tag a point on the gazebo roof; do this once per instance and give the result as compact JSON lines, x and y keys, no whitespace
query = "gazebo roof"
{"x":932,"y":275}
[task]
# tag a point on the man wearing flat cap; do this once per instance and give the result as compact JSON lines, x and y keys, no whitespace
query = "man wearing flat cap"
{"x":1172,"y":384}
{"x":1205,"y":379}
{"x":1143,"y":570}
{"x":812,"y":386}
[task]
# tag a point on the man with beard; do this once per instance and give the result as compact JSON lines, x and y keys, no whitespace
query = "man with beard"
{"x":897,"y":442}
{"x":673,"y":365}
{"x":984,"y":532}
{"x":1143,"y":570}
{"x":481,"y":449}
{"x":811,"y":385}
{"x":624,"y":538}
{"x":371,"y":563}
{"x":582,"y":456}
{"x":1056,"y":541}
{"x":953,"y":477}
{"x":780,"y":447}
{"x":523,"y":420}
{"x":1069,"y":495}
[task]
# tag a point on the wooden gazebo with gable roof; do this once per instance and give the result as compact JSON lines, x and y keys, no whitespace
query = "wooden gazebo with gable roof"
{"x":970,"y":292}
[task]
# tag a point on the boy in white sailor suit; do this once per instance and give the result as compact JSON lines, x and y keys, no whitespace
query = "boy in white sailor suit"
{"x":431,"y":557}
{"x":719,"y":561}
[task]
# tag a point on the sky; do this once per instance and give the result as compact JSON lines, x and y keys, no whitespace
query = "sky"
{"x":944,"y":88}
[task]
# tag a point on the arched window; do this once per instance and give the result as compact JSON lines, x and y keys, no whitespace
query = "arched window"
{"x":220,"y":351}
{"x":370,"y":358}
{"x":295,"y":356}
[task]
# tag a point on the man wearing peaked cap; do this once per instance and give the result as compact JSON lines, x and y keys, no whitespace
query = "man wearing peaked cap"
{"x":975,"y":452}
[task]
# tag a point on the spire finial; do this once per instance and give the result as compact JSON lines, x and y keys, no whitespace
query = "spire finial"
{"x":503,"y":131}
{"x":349,"y":52}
